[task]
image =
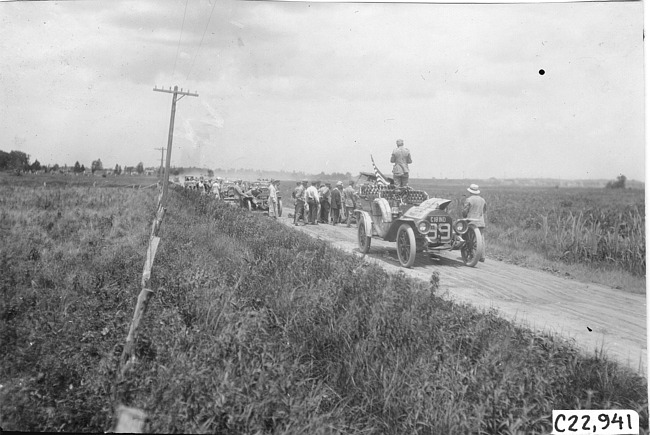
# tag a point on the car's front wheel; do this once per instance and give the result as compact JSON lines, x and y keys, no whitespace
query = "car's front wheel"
{"x":472,"y":250}
{"x":406,"y":245}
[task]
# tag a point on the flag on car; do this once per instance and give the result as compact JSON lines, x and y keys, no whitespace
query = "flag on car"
{"x":380,"y":177}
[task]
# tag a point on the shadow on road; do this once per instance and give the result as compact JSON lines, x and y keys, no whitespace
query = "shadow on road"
{"x":389,"y":255}
{"x":440,"y":260}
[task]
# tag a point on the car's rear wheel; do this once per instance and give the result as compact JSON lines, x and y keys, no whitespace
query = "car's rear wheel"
{"x":472,"y":250}
{"x":364,"y":238}
{"x":406,"y":245}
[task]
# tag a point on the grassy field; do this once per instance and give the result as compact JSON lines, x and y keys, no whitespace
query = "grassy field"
{"x":255,"y":328}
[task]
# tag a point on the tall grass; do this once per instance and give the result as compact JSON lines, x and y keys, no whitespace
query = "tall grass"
{"x":598,"y":240}
{"x":69,"y":264}
{"x":255,"y":328}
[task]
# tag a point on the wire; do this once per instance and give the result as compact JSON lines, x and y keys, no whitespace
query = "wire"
{"x":179,"y":40}
{"x":200,"y":43}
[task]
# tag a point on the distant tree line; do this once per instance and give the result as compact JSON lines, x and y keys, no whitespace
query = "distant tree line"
{"x":18,"y":161}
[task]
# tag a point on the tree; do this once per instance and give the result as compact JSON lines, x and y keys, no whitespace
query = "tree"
{"x":14,"y":160}
{"x":36,"y":166}
{"x":210,"y":173}
{"x":618,"y":184}
{"x":96,"y":166}
{"x":117,"y":170}
{"x":5,"y":158}
{"x":19,"y":160}
{"x":83,"y":168}
{"x":55,"y":168}
{"x":77,"y":167}
{"x":140,"y":168}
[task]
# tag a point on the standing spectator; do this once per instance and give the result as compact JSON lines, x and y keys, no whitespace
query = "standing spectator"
{"x":273,"y":199}
{"x":216,"y":188}
{"x":336,"y":203}
{"x":239,"y":194}
{"x":300,"y":200}
{"x":317,"y":185}
{"x":312,"y":202}
{"x":475,"y":207}
{"x":401,"y":157}
{"x":350,"y":202}
{"x":325,"y":195}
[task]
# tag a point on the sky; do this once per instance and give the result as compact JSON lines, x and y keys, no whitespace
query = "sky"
{"x":323,"y":86}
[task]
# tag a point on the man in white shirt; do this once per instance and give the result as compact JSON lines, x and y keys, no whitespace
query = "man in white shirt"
{"x":313,"y":201}
{"x":273,"y":199}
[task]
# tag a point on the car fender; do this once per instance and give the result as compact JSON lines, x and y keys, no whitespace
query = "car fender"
{"x":384,"y":207}
{"x":363,"y":217}
{"x":391,"y":236}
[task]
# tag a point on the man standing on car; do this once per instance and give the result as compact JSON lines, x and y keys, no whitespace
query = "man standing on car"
{"x":299,"y":197}
{"x":350,"y":202}
{"x":336,"y":203}
{"x":401,"y":157}
{"x":312,"y":202}
{"x":475,"y":207}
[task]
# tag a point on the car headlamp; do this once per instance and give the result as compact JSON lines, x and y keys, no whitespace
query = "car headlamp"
{"x":460,"y":227}
{"x":423,"y":227}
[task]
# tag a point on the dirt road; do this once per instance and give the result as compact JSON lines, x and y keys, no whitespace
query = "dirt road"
{"x":596,"y":317}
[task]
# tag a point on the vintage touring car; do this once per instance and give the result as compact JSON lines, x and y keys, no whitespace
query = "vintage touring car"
{"x":415,"y":222}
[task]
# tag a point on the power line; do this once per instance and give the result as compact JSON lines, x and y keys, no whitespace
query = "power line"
{"x":179,"y":40}
{"x":200,"y":43}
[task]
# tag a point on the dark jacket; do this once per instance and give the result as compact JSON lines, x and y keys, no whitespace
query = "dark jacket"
{"x":336,"y":199}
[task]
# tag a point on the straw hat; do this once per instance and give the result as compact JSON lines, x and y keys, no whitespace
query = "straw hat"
{"x":473,"y":188}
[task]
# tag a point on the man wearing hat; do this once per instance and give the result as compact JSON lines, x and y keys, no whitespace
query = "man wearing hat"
{"x":299,"y":198}
{"x":475,"y":207}
{"x":401,"y":157}
{"x":325,"y":194}
{"x":350,"y":202}
{"x":313,"y":202}
{"x":336,"y":203}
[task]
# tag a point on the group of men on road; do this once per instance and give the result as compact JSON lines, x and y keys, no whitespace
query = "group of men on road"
{"x":320,"y":203}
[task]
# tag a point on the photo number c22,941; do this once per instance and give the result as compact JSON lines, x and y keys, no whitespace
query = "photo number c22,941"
{"x":595,"y":421}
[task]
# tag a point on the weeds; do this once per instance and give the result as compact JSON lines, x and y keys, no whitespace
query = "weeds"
{"x":255,"y":328}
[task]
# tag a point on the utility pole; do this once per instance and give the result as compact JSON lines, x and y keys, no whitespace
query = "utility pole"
{"x":175,"y":98}
{"x":162,"y":168}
